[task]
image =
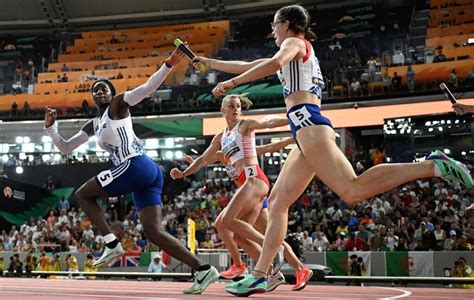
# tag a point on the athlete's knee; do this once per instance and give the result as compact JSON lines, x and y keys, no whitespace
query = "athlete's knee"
{"x":153,"y":231}
{"x":277,"y":207}
{"x":350,"y":196}
{"x":227,"y":221}
{"x":219,"y":224}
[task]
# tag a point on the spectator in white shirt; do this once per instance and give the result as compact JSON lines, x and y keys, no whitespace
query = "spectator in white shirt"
{"x":157,"y":266}
{"x":307,"y":242}
{"x":321,"y":243}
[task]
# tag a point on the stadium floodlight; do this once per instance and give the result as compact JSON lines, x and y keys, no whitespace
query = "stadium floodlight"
{"x":447,"y":151}
{"x":169,"y":143}
{"x":169,"y":155}
{"x":46,"y":139}
{"x":26,"y":140}
{"x":463,"y":153}
{"x":194,"y":151}
{"x":178,"y":154}
{"x":5,"y":158}
{"x":19,"y":139}
{"x":19,"y":170}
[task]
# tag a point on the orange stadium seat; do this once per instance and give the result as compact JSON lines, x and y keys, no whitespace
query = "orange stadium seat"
{"x":439,"y":3}
{"x":451,"y":30}
{"x":169,"y":28}
{"x":144,"y":52}
{"x":435,"y":71}
{"x":448,"y":41}
{"x":82,"y":75}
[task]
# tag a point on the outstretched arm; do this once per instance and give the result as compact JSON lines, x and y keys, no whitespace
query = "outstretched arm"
{"x":66,"y":147}
{"x":199,"y":162}
{"x":217,"y":157}
{"x":462,"y":109}
{"x":234,"y":67}
{"x":121,"y":102}
{"x":267,"y":122}
{"x":274,"y":147}
{"x":289,"y":50}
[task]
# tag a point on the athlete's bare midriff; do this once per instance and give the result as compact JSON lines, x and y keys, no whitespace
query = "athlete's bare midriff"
{"x":301,"y":97}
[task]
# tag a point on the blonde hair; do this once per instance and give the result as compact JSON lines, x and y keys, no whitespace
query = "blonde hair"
{"x":244,"y":100}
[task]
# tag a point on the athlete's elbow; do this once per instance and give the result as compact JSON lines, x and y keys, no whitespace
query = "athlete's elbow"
{"x":277,"y":64}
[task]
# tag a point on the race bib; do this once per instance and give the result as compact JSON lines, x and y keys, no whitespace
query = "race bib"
{"x":105,"y":178}
{"x":300,"y":117}
{"x":250,"y":171}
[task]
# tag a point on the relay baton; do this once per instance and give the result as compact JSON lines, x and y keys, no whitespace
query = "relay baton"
{"x":182,"y":46}
{"x":448,"y":93}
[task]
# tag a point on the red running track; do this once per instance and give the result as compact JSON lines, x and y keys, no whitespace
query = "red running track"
{"x":19,"y":288}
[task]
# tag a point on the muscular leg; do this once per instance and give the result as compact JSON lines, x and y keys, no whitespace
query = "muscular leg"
{"x":290,"y":256}
{"x":227,"y":238}
{"x":87,"y":195}
{"x":150,"y":217}
{"x":332,"y":167}
{"x":246,"y":199}
{"x":251,"y":248}
{"x":292,"y":181}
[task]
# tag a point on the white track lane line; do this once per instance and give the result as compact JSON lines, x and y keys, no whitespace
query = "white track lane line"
{"x":404,"y":294}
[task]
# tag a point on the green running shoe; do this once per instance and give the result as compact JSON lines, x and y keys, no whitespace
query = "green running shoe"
{"x":451,"y":169}
{"x":247,"y":286}
{"x":202,"y":280}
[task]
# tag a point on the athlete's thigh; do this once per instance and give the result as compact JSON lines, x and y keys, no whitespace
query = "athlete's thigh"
{"x":91,"y":189}
{"x":150,"y":216}
{"x":252,"y":215}
{"x":245,"y":199}
{"x":293,"y":179}
{"x":262,"y":221}
{"x":325,"y":158}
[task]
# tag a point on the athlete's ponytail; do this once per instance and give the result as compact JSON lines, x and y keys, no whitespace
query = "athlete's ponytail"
{"x":245,"y":102}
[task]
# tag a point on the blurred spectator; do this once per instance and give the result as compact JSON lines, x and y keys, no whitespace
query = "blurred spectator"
{"x":14,"y":109}
{"x":88,"y":266}
{"x":448,"y":244}
{"x":157,"y":266}
{"x":410,"y":79}
{"x":307,"y":242}
{"x":453,"y":78}
{"x":320,"y":243}
{"x":440,"y":57}
{"x":396,"y":82}
{"x":71,"y":262}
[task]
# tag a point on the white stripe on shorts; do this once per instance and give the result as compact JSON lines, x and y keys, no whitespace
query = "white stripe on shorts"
{"x":127,"y":164}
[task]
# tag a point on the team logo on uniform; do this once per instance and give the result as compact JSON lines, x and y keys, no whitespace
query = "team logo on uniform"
{"x":8,"y":192}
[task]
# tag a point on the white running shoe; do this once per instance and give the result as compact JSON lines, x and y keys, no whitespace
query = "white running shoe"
{"x":202,"y":280}
{"x":275,"y":281}
{"x":278,"y":261}
{"x":108,"y":255}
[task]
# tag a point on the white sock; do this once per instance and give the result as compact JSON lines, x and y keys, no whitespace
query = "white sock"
{"x":437,"y":171}
{"x":109,"y":238}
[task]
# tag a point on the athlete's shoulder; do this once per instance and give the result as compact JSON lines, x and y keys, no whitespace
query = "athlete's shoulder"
{"x":293,"y":42}
{"x":88,"y":127}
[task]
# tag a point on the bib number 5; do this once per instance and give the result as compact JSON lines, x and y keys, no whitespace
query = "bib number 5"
{"x":300,"y":117}
{"x":105,"y":178}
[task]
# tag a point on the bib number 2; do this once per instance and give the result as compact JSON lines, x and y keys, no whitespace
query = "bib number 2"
{"x":105,"y":178}
{"x":250,"y":171}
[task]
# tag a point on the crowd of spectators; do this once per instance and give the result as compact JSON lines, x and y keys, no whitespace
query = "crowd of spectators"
{"x":421,"y":215}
